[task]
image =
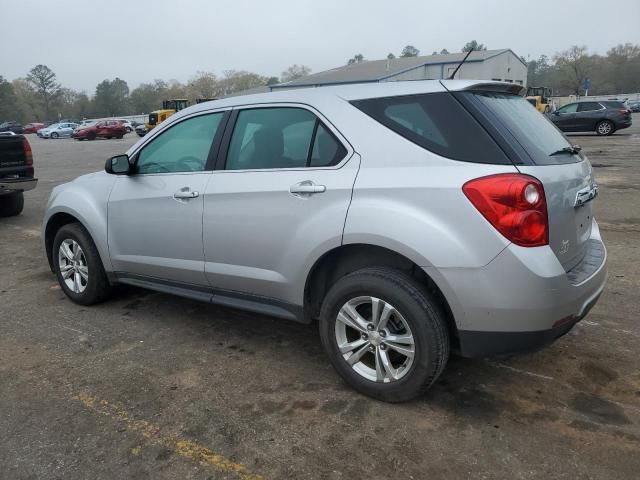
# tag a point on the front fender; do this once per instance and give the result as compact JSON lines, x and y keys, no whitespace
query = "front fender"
{"x":86,"y":200}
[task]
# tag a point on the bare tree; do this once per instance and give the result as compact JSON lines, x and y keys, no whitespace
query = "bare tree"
{"x":574,"y":66}
{"x":294,"y":72}
{"x":473,"y":45}
{"x":47,"y":88}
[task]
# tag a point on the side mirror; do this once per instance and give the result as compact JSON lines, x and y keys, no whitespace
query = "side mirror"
{"x":118,"y":165}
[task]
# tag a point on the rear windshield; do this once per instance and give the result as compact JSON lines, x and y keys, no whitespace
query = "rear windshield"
{"x":438,"y":123}
{"x":531,"y":129}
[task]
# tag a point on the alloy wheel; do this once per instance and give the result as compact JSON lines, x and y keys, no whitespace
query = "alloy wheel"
{"x":604,"y":128}
{"x":374,"y":339}
{"x":73,"y":266}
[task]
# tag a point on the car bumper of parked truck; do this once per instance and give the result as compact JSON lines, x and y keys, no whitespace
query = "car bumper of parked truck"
{"x":523,"y":300}
{"x":17,"y":185}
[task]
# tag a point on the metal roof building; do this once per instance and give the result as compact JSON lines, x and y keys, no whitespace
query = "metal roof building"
{"x":502,"y":65}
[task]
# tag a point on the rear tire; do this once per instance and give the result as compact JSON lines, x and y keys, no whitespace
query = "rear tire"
{"x":80,"y":271}
{"x":605,"y":127}
{"x":11,"y":204}
{"x":417,"y":318}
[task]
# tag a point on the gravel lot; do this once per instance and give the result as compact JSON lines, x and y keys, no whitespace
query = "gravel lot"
{"x":153,"y":386}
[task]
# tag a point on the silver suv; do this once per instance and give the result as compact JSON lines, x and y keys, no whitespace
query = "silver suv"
{"x":410,"y":218}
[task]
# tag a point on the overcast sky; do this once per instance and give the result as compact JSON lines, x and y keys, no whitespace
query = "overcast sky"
{"x":86,"y":41}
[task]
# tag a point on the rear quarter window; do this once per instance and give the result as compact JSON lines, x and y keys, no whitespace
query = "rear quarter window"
{"x":436,"y":122}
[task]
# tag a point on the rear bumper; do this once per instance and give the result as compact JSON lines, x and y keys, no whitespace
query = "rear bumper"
{"x":17,"y":185}
{"x":523,"y":299}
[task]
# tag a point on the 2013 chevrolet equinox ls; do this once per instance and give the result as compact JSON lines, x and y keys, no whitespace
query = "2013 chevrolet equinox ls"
{"x":410,"y":218}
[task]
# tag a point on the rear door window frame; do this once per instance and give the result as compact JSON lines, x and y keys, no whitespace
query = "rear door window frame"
{"x":221,"y":160}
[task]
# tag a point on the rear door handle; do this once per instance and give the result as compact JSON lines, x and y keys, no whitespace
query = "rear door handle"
{"x":185,"y":193}
{"x":307,"y":188}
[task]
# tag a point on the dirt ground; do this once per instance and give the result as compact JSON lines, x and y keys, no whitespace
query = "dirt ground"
{"x":153,"y":386}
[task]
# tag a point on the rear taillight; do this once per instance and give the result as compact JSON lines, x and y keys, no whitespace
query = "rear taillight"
{"x":514,"y":204}
{"x":28,"y":155}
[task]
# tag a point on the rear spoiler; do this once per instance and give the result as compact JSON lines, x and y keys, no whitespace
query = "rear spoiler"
{"x":492,"y":87}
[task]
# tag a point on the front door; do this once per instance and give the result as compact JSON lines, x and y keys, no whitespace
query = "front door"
{"x":565,"y":117}
{"x":282,"y":196}
{"x":155,"y":215}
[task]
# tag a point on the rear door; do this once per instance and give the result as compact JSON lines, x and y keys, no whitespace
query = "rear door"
{"x":280,"y":197}
{"x":567,"y":178}
{"x":589,"y":113}
{"x":565,"y":117}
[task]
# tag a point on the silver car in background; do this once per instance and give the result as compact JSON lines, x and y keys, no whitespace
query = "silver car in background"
{"x":57,"y":130}
{"x":409,"y":218}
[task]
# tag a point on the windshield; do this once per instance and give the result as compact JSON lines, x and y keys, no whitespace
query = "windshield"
{"x":537,"y":135}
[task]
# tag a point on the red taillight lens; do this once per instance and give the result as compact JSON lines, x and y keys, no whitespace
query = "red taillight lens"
{"x":28,"y":155}
{"x":514,"y":204}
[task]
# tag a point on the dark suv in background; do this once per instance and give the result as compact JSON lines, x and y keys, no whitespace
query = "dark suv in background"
{"x":602,"y":117}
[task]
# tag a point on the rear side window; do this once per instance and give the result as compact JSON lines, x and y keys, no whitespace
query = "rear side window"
{"x":438,"y":123}
{"x":281,"y":137}
{"x":589,"y":106}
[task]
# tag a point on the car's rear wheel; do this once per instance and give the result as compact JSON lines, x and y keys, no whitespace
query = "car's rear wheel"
{"x":385,"y":335}
{"x":128,"y":129}
{"x":11,"y":204}
{"x":605,"y":127}
{"x":54,"y":135}
{"x":78,"y":266}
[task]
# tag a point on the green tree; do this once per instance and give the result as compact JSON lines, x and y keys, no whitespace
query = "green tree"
{"x":444,"y":51}
{"x":112,"y":98}
{"x":473,"y":45}
{"x":294,"y":72}
{"x":46,"y":86}
{"x":391,"y":56}
{"x":8,"y":102}
{"x":273,"y":80}
{"x":236,"y":81}
{"x":410,"y":51}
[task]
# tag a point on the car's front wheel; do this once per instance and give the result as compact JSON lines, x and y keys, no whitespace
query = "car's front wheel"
{"x":78,"y":266}
{"x":54,"y":135}
{"x":605,"y":127}
{"x":385,"y":335}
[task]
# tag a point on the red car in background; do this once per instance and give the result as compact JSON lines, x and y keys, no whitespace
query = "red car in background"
{"x":33,"y":127}
{"x":103,"y":129}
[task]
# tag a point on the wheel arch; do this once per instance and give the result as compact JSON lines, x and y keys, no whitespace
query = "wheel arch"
{"x":348,"y":258}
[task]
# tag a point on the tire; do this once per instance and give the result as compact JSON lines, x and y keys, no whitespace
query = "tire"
{"x":54,"y":135}
{"x":95,"y":288}
{"x":605,"y":127}
{"x":416,"y":311}
{"x":11,"y":204}
{"x":119,"y":137}
{"x":91,"y":136}
{"x":108,"y":138}
{"x":128,"y":129}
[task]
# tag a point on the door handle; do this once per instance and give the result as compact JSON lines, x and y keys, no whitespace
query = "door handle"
{"x":185,"y":193}
{"x":307,"y":188}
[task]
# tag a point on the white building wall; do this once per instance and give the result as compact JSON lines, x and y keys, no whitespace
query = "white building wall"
{"x":503,"y":67}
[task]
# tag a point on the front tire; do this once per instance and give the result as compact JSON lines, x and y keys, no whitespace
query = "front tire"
{"x":78,"y":266}
{"x":605,"y":127}
{"x":385,"y":335}
{"x":54,"y":135}
{"x":11,"y":204}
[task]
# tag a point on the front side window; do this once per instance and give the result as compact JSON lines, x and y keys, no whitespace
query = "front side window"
{"x":571,"y":108}
{"x":282,"y":137}
{"x":184,"y":147}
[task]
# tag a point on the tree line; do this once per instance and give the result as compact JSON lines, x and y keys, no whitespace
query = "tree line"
{"x":40,"y":97}
{"x":569,"y":71}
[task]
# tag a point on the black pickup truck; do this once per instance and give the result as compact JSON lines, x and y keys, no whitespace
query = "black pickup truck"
{"x":16,"y":172}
